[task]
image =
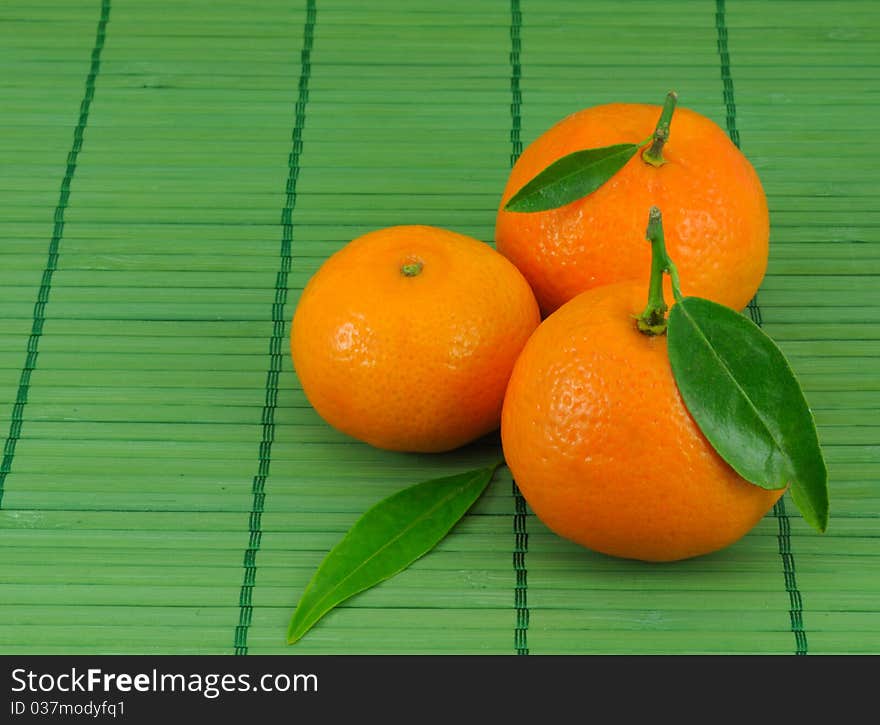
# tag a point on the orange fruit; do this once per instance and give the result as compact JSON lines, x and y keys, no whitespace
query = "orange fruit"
{"x":406,"y":337}
{"x":715,"y":210}
{"x":602,"y":446}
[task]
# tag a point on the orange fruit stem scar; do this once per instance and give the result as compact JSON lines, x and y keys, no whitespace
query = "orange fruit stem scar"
{"x":411,"y":269}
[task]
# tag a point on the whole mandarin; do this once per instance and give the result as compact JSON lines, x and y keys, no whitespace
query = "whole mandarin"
{"x":715,"y":210}
{"x":602,"y":446}
{"x":405,"y":338}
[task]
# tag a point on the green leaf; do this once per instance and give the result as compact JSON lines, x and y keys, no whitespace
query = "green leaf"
{"x":571,"y":178}
{"x":385,"y":540}
{"x":744,"y":396}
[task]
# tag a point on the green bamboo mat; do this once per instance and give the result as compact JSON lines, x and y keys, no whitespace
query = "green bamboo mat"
{"x":173,"y":171}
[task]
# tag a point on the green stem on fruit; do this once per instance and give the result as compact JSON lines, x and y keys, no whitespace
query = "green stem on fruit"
{"x":411,"y":269}
{"x":654,"y":154}
{"x":653,"y":320}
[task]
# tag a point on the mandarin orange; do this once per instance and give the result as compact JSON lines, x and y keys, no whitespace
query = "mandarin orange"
{"x":602,"y":446}
{"x":406,"y":337}
{"x":717,"y":222}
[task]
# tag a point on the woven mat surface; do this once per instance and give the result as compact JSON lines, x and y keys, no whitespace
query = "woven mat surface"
{"x":171,"y":174}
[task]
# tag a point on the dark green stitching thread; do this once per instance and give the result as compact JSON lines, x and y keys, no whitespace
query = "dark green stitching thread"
{"x":277,"y":349}
{"x":784,"y":526}
{"x":39,"y":319}
{"x":521,"y":534}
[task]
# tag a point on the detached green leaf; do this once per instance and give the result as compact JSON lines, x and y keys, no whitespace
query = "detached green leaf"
{"x":571,"y":178}
{"x":385,"y":540}
{"x":744,"y":396}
